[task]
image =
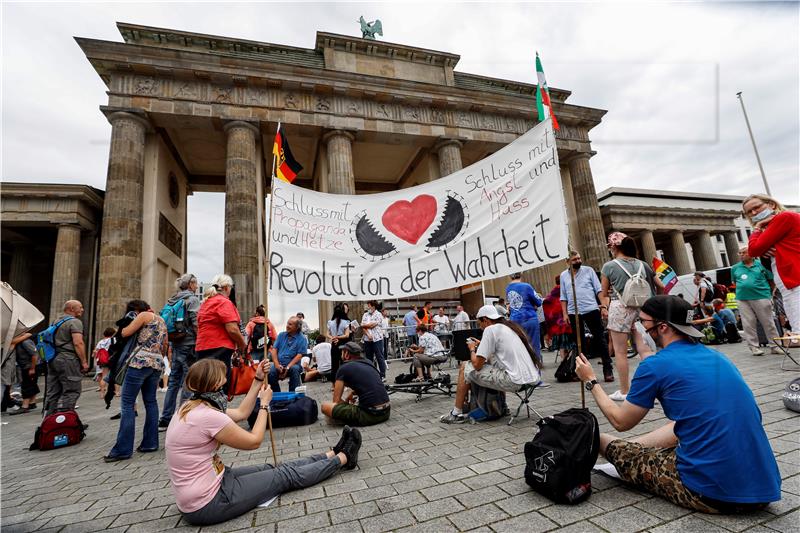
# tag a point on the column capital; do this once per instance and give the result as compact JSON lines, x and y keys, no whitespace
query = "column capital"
{"x":441,"y":142}
{"x":69,"y":225}
{"x":327,"y":136}
{"x":115,"y":114}
{"x":579,"y":156}
{"x":231,"y":124}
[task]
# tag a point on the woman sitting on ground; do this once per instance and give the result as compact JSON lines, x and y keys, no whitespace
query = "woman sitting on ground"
{"x":207,"y":492}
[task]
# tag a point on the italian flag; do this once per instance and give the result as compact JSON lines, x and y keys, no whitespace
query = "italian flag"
{"x":543,"y":95}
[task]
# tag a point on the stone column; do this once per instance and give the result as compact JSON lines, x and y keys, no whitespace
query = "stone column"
{"x":341,"y":179}
{"x":703,"y":249}
{"x":241,"y":213}
{"x":120,"y":260}
{"x":449,"y":152}
{"x":678,"y":254}
{"x":19,"y":275}
{"x":587,"y":212}
{"x":732,"y":246}
{"x":648,"y":250}
{"x":65,"y":268}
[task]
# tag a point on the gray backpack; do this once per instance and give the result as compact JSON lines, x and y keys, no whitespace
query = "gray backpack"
{"x":791,"y":395}
{"x":636,"y":290}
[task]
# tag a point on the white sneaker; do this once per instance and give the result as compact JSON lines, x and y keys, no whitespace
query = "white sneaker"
{"x":756,"y":351}
{"x":775,"y":350}
{"x":618,"y":396}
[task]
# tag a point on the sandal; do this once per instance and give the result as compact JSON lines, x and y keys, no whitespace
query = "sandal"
{"x":418,"y":380}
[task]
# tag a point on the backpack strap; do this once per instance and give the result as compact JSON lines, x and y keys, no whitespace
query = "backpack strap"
{"x":55,"y":330}
{"x":618,"y":262}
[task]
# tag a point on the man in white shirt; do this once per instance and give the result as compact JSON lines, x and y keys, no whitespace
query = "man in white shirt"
{"x":428,"y":352}
{"x":372,"y":325}
{"x":502,"y":360}
{"x":461,"y":319}
{"x":321,"y":354}
{"x":441,"y":323}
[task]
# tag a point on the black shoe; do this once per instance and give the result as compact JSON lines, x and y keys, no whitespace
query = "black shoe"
{"x":142,"y":450}
{"x":346,"y":433}
{"x":162,"y":425}
{"x":114,"y":458}
{"x":116,"y":416}
{"x":350,"y":449}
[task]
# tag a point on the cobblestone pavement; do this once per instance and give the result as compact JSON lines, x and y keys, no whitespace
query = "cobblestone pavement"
{"x":415,"y":474}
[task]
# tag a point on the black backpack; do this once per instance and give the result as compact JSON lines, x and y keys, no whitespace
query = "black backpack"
{"x":560,"y":458}
{"x":299,"y":411}
{"x":565,"y":372}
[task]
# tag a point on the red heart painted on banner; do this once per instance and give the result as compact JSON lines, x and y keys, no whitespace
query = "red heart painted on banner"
{"x":409,"y":220}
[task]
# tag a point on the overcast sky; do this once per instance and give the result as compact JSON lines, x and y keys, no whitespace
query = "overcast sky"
{"x":668,"y":75}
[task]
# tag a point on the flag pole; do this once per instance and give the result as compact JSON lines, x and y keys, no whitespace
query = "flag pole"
{"x":266,"y":287}
{"x":753,"y":140}
{"x":578,"y":331}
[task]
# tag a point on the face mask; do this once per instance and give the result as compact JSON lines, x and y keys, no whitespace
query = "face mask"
{"x":217,"y":399}
{"x":577,"y":266}
{"x":758,"y":217}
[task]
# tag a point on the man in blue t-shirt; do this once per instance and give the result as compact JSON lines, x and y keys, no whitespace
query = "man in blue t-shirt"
{"x":290,"y":346}
{"x":522,"y":304}
{"x":714,"y":455}
{"x":410,"y":321}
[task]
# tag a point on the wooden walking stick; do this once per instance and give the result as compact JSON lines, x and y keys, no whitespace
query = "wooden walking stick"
{"x":578,"y":332}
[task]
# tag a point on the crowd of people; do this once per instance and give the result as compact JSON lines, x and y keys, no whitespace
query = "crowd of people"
{"x":694,"y":461}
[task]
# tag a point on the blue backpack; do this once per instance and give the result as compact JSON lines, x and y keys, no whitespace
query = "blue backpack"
{"x":46,"y":340}
{"x":174,"y":316}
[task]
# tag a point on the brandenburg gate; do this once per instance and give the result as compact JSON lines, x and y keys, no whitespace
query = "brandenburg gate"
{"x":192,"y":112}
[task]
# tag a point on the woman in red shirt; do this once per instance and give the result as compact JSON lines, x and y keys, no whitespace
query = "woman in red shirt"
{"x":218,"y":334}
{"x":776,"y":234}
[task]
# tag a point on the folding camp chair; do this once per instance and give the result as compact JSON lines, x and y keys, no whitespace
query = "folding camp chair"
{"x":778,"y":341}
{"x":524,"y":395}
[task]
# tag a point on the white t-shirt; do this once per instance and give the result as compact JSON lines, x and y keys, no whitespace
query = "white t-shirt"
{"x":441,"y":322}
{"x":322,"y":353}
{"x":501,"y":347}
{"x":460,"y":321}
{"x":373,"y":334}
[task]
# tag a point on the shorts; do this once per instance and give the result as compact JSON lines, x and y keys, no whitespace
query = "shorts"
{"x":354,"y":415}
{"x":655,"y":471}
{"x":621,"y":318}
{"x":490,"y":377}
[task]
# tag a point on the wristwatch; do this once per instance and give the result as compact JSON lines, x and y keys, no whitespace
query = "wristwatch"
{"x":589,"y":385}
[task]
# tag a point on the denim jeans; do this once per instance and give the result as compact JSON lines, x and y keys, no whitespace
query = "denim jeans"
{"x":294,"y":377}
{"x":145,"y":380}
{"x":374,"y":350}
{"x":182,"y":357}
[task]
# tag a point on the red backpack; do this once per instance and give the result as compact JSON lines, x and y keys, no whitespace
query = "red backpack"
{"x":58,"y":430}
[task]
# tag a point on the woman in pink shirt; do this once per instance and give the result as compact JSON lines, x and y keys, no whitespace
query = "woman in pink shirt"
{"x":206,"y":491}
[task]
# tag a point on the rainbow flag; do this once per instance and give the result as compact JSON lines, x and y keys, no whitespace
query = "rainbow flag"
{"x":665,"y":274}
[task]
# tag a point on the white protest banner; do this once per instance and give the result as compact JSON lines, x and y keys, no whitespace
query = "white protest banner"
{"x":500,"y":215}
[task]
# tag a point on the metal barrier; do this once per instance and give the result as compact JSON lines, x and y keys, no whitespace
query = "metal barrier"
{"x":398,"y":340}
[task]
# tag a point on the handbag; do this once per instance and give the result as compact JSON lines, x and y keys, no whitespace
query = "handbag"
{"x":243,"y":371}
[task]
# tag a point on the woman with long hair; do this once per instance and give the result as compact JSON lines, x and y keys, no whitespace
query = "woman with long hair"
{"x":338,"y":334}
{"x":144,"y":368}
{"x":218,"y":333}
{"x":776,"y":234}
{"x":621,"y":318}
{"x":206,"y":491}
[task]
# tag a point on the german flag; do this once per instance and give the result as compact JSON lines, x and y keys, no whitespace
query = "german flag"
{"x":287,"y":168}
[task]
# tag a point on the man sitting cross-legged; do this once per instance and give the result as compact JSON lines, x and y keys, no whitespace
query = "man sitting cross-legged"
{"x":503,"y":360}
{"x":714,"y":455}
{"x":428,"y":352}
{"x":363,"y":379}
{"x":290,"y":347}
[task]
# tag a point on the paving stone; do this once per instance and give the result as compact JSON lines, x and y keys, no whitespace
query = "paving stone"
{"x":453,"y":475}
{"x":584,"y":526}
{"x":346,"y":527}
{"x":475,"y":498}
{"x":242,"y":522}
{"x":615,"y":498}
{"x":444,"y":490}
{"x":330,"y":502}
{"x":485,"y":480}
{"x":374,"y":493}
{"x":523,"y":503}
{"x":787,"y":523}
{"x":96,"y":524}
{"x":273,"y":515}
{"x":738,"y":522}
{"x":688,"y":524}
{"x":440,"y":525}
{"x":625,"y":520}
{"x":567,"y":514}
{"x":787,"y":502}
{"x":530,"y":523}
{"x":478,"y":516}
{"x":354,"y":512}
{"x":347,"y":487}
{"x":435,"y":509}
{"x":162,"y":524}
{"x":662,"y":509}
{"x":401,"y":501}
{"x":385,"y":480}
{"x":387,"y":521}
{"x":414,"y":484}
{"x":139,"y":516}
{"x":304,"y":523}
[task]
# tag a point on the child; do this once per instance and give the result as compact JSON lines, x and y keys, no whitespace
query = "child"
{"x":101,"y":356}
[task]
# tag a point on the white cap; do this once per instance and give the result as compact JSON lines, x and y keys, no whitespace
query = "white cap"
{"x":488,"y":311}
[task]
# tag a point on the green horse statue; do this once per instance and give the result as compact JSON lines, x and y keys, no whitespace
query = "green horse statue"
{"x":369,"y":29}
